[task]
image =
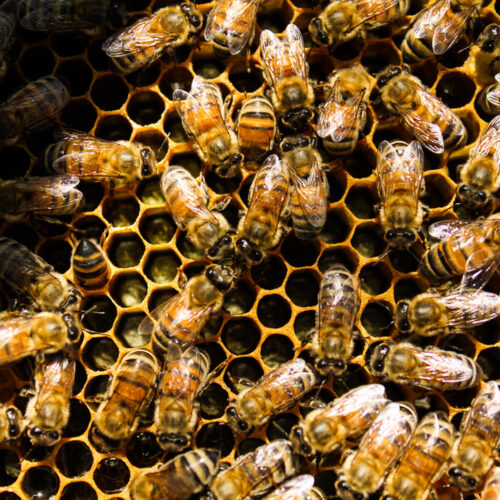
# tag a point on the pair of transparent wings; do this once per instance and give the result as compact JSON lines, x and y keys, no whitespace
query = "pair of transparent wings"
{"x":298,"y":487}
{"x":489,"y":140}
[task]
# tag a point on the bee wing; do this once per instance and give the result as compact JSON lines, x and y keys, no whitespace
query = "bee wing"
{"x":180,"y":372}
{"x":374,"y":8}
{"x":475,"y":278}
{"x":359,"y":400}
{"x":387,"y":154}
{"x":273,"y":49}
{"x":296,"y":51}
{"x":429,"y":18}
{"x":445,"y":228}
{"x":489,"y":139}
{"x":448,"y":31}
{"x":412,"y":165}
{"x":471,"y":308}
{"x":493,"y":96}
{"x":297,"y":487}
{"x":436,"y":366}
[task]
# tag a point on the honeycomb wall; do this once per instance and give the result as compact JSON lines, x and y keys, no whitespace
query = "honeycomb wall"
{"x":268,"y":315}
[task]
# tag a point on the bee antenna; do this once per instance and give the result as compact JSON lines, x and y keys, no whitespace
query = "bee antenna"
{"x":278,"y":426}
{"x":384,"y":255}
{"x":413,"y":254}
{"x":465,"y":48}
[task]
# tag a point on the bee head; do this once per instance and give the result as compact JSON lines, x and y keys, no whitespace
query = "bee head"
{"x":172,"y":443}
{"x":39,"y":437}
{"x":472,"y":198}
{"x":297,"y":119}
{"x":375,"y":359}
{"x":193,"y":14}
{"x":489,"y":38}
{"x":222,"y":248}
{"x":220,"y":276}
{"x":318,"y":33}
{"x":299,"y":442}
{"x":462,"y":481}
{"x":387,"y":75}
{"x":231,"y":166}
{"x":345,"y":492}
{"x":330,"y":367}
{"x":400,"y":239}
{"x":148,"y":162}
{"x":246,"y":249}
{"x":401,"y":321}
{"x":235,"y":421}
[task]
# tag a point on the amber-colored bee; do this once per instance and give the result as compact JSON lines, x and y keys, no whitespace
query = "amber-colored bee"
{"x":286,"y":73}
{"x":430,"y":368}
{"x":256,"y":472}
{"x":268,"y":199}
{"x":176,"y":410}
{"x":148,"y":38}
{"x":178,"y":479}
{"x":32,"y":107}
{"x":300,"y":154}
{"x":298,"y":488}
{"x":472,"y":455}
{"x":90,"y":264}
{"x":204,"y":119}
{"x":432,"y":123}
{"x":364,"y":470}
{"x":485,"y":55}
{"x":231,"y":26}
{"x":488,"y":99}
{"x":94,"y":159}
{"x":423,"y":461}
{"x":47,"y":413}
{"x":274,"y":392}
{"x":128,"y":394}
{"x":491,"y":490}
{"x":8,"y":21}
{"x":176,"y":323}
{"x":11,"y":423}
{"x":343,"y":20}
{"x":324,"y":430}
{"x":400,"y":170}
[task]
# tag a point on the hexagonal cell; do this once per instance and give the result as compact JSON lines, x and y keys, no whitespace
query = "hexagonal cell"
{"x":172,"y":126}
{"x":10,"y":467}
{"x":367,"y":240}
{"x":243,"y":368}
{"x":120,"y":212}
{"x":438,"y":191}
{"x":275,"y":20}
{"x":337,"y":182}
{"x":206,"y":65}
{"x":270,"y":273}
{"x":125,"y":249}
{"x":375,"y":278}
{"x":276,"y":350}
{"x":95,"y":389}
{"x":157,"y":141}
{"x":143,"y":450}
{"x":144,"y":77}
{"x":455,"y":89}
{"x":407,"y":288}
{"x":40,"y":482}
{"x":302,"y":288}
{"x":320,"y":67}
{"x":189,"y":161}
{"x":377,"y":319}
{"x":248,"y":445}
{"x":299,"y":253}
{"x":79,"y":114}
{"x":245,"y":79}
{"x":100,"y":353}
{"x":57,"y":253}
{"x":471,"y":124}
{"x":145,"y":107}
{"x":337,"y":227}
{"x":378,"y":55}
{"x":488,"y":360}
{"x":76,"y":75}
{"x":37,"y":61}
{"x":460,"y":399}
{"x":69,"y":44}
{"x":127,"y":330}
{"x":360,"y":163}
{"x":404,"y":261}
{"x":240,"y":335}
{"x":111,"y":475}
{"x":128,"y":289}
{"x":456,"y":57}
{"x":80,"y":378}
{"x":8,"y":495}
{"x":361,"y":200}
{"x":460,"y":343}
{"x":79,"y":419}
{"x":92,"y":195}
{"x":157,"y":227}
{"x":162,"y":267}
{"x":99,"y":313}
{"x":175,"y":78}
{"x":221,"y":185}
{"x":96,"y":56}
{"x":488,"y":333}
{"x":91,"y":226}
{"x":159,"y":296}
{"x":354,"y":376}
{"x":213,"y":402}
{"x":216,"y":435}
{"x":109,"y":92}
{"x":240,"y":298}
{"x":273,"y":311}
{"x":113,"y":128}
{"x":74,"y":459}
{"x":78,"y":491}
{"x":304,"y":324}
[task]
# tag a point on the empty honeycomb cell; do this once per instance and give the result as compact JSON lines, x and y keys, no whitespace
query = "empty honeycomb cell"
{"x":175,"y":78}
{"x":337,"y":227}
{"x":189,"y":161}
{"x":79,"y":419}
{"x":245,"y":78}
{"x":40,"y":482}
{"x":78,"y":491}
{"x":216,"y":435}
{"x":145,"y":108}
{"x":354,"y":376}
{"x":471,"y":124}
{"x":92,"y":195}
{"x":280,"y":426}
{"x":367,"y":240}
{"x":173,"y":128}
{"x":36,"y":62}
{"x":299,"y":253}
{"x":460,"y":343}
{"x":128,"y":289}
{"x":455,"y":89}
{"x":99,"y":313}
{"x":222,"y":185}
{"x":158,"y":142}
{"x":240,"y":335}
{"x":404,"y":261}
{"x":320,"y":67}
{"x":74,"y":459}
{"x":37,"y":141}
{"x":120,"y":212}
{"x":302,"y":288}
{"x":426,"y":72}
{"x":76,"y":75}
{"x":8,"y":495}
{"x":67,"y":44}
{"x":438,"y":191}
{"x":270,"y":273}
{"x":391,"y":134}
{"x":143,"y":450}
{"x":113,"y":128}
{"x":276,"y":350}
{"x":157,"y":227}
{"x":206,"y":64}
{"x":248,"y":445}
{"x":127,"y":330}
{"x":90,"y":226}
{"x":22,"y":233}
{"x":111,"y":475}
{"x":159,"y":296}
{"x":430,"y":402}
{"x":95,"y":390}
{"x":10,"y":467}
{"x":100,"y":353}
{"x":376,"y":319}
{"x":338,"y":255}
{"x":187,"y":249}
{"x":325,"y":481}
{"x":337,"y":182}
{"x":32,"y":453}
{"x":215,"y":352}
{"x":273,"y":311}
{"x":378,"y":55}
{"x":487,"y":333}
{"x":109,"y":92}
{"x":304,"y":324}
{"x":125,"y":249}
{"x":17,"y":160}
{"x":57,"y":253}
{"x":375,"y":278}
{"x":242,"y":369}
{"x":144,"y":77}
{"x":460,"y":399}
{"x":79,"y":114}
{"x":488,"y":360}
{"x":361,"y":162}
{"x":361,"y":201}
{"x":213,"y":402}
{"x":407,"y":288}
{"x":240,"y":298}
{"x":456,"y":57}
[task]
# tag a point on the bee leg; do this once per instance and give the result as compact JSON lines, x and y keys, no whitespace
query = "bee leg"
{"x":239,"y":383}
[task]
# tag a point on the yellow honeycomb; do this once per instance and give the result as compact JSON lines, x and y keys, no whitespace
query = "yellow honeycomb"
{"x":269,"y":313}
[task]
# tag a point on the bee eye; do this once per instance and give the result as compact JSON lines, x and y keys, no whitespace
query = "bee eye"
{"x":322,"y":364}
{"x":286,"y":146}
{"x":481,"y":195}
{"x":378,"y":366}
{"x":463,"y":189}
{"x":339,"y":365}
{"x":181,"y":441}
{"x":390,"y":235}
{"x":472,"y":482}
{"x":409,"y":235}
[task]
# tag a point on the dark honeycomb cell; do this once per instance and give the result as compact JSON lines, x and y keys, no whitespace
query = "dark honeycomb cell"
{"x":78,"y":491}
{"x":36,"y":62}
{"x":57,"y":253}
{"x":40,"y":482}
{"x":95,"y":390}
{"x":354,"y":376}
{"x":216,"y":435}
{"x":240,"y":335}
{"x":18,"y":161}
{"x":215,"y":352}
{"x":462,"y":344}
{"x":145,"y":108}
{"x":240,"y":299}
{"x":74,"y":459}
{"x":471,"y":124}
{"x":111,"y":475}
{"x":206,"y":65}
{"x":125,"y":250}
{"x":302,"y":288}
{"x":273,"y":311}
{"x":488,"y":332}
{"x":270,"y":273}
{"x":79,"y":419}
{"x":325,"y":481}
{"x":248,"y":445}
{"x":367,"y":240}
{"x":360,"y":163}
{"x":113,"y":128}
{"x":99,"y":314}
{"x":375,"y":278}
{"x":67,"y":44}
{"x":159,"y":296}
{"x":377,"y":319}
{"x":100,"y":353}
{"x":276,"y":350}
{"x":337,"y":226}
{"x":242,"y":369}
{"x":175,"y":78}
{"x":189,"y":161}
{"x":80,"y":378}
{"x":143,"y":450}
{"x":96,"y":56}
{"x":378,"y":55}
{"x":338,"y":256}
{"x":361,"y":201}
{"x":109,"y":92}
{"x":460,"y":399}
{"x":213,"y":402}
{"x":407,"y":288}
{"x":455,"y":89}
{"x":280,"y":426}
{"x":304,"y":324}
{"x":127,"y":330}
{"x":157,"y":227}
{"x":456,"y":57}
{"x":173,"y":128}
{"x":10,"y":467}
{"x":438,"y":191}
{"x":79,"y":114}
{"x":90,"y":226}
{"x":275,"y":20}
{"x":245,"y":79}
{"x":145,"y":77}
{"x":128,"y":289}
{"x":404,"y":261}
{"x":76,"y":75}
{"x":158,"y":142}
{"x":161,"y":267}
{"x":120,"y":212}
{"x":221,"y":185}
{"x":299,"y":253}
{"x":8,"y":495}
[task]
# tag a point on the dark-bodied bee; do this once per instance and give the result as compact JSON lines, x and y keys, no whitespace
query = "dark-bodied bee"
{"x":47,"y":413}
{"x":432,"y":123}
{"x":268,"y":199}
{"x":364,"y":470}
{"x":473,"y":454}
{"x":423,"y":461}
{"x":129,"y":393}
{"x":491,"y":490}
{"x":298,"y":488}
{"x":90,"y":264}
{"x":273,"y":393}
{"x":11,"y":423}
{"x":8,"y":21}
{"x":286,"y":73}
{"x":32,"y":107}
{"x":231,"y":26}
{"x":400,"y":169}
{"x":176,"y":323}
{"x":300,"y":154}
{"x":430,"y":368}
{"x":256,"y":473}
{"x":488,"y":99}
{"x":343,"y":115}
{"x":94,"y":159}
{"x":324,"y":430}
{"x":204,"y":119}
{"x":485,"y":54}
{"x":176,"y":410}
{"x":338,"y":305}
{"x":343,"y":20}
{"x":148,"y":38}
{"x":179,"y":479}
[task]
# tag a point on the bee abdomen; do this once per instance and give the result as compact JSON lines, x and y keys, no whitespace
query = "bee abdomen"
{"x":90,"y":266}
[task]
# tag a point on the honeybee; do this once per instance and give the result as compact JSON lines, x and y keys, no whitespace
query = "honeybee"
{"x":176,"y":411}
{"x":45,"y":196}
{"x":176,"y":323}
{"x":343,"y":115}
{"x":90,"y":264}
{"x":343,"y":20}
{"x":432,"y":123}
{"x":430,"y":368}
{"x":300,"y":154}
{"x":178,"y":479}
{"x":400,"y":170}
{"x":47,"y":413}
{"x":286,"y":73}
{"x":32,"y":107}
{"x":188,"y":203}
{"x":8,"y":21}
{"x":298,"y":488}
{"x":128,"y":394}
{"x":491,"y":490}
{"x":364,"y":470}
{"x":486,"y":58}
{"x":274,"y":392}
{"x":256,"y":472}
{"x":145,"y":40}
{"x":268,"y":199}
{"x":472,"y":454}
{"x":11,"y":423}
{"x":231,"y":26}
{"x":488,"y":99}
{"x":324,"y":430}
{"x":94,"y":159}
{"x":256,"y":128}
{"x":204,"y":119}
{"x":423,"y":460}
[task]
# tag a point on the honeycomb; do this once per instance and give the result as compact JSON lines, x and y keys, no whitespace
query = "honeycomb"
{"x":270,"y":311}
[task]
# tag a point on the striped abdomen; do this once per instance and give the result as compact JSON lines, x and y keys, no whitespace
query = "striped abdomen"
{"x":484,"y":104}
{"x":491,"y":490}
{"x":348,"y":143}
{"x":90,"y":264}
{"x":383,"y":15}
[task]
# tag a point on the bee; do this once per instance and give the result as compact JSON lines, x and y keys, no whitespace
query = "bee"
{"x":93,"y":159}
{"x":129,"y":393}
{"x":488,"y":99}
{"x":8,"y":21}
{"x":91,"y":268}
{"x":422,"y":462}
{"x":40,"y":196}
{"x":176,"y":323}
{"x":324,"y":430}
{"x":176,"y":411}
{"x":344,"y":20}
{"x":364,"y":470}
{"x":32,"y":107}
{"x":256,"y":128}
{"x":268,"y":199}
{"x":491,"y":490}
{"x":47,"y":413}
{"x":430,"y":368}
{"x":178,"y":479}
{"x":274,"y":392}
{"x":256,"y":472}
{"x":300,"y":154}
{"x":231,"y":26}
{"x":286,"y":73}
{"x":432,"y":123}
{"x":204,"y":119}
{"x":11,"y":423}
{"x":298,"y":488}
{"x":486,"y":58}
{"x":400,"y":170}
{"x":472,"y":454}
{"x":143,"y":42}
{"x":343,"y":116}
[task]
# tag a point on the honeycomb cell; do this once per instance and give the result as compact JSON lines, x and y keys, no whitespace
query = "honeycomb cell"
{"x":299,"y":253}
{"x":216,"y":435}
{"x":487,"y":333}
{"x":240,"y":298}
{"x":455,"y":89}
{"x":113,"y":128}
{"x":96,"y":56}
{"x":8,"y":495}
{"x":460,"y":343}
{"x":338,"y":255}
{"x":189,"y":161}
{"x":325,"y":481}
{"x":276,"y":350}
{"x":161,"y":267}
{"x":367,"y":240}
{"x":74,"y":459}
{"x":79,"y":419}
{"x":95,"y":390}
{"x":78,"y":491}
{"x":145,"y":77}
{"x":91,"y":226}
{"x":375,"y":278}
{"x":248,"y":445}
{"x":79,"y":114}
{"x":143,"y":450}
{"x":337,"y":182}
{"x":173,"y":127}
{"x":159,"y":296}
{"x":157,"y":227}
{"x":438,"y":191}
{"x":175,"y":78}
{"x":99,"y":314}
{"x":360,"y":163}
{"x":100,"y":353}
{"x":206,"y":65}
{"x":57,"y":253}
{"x":33,"y":453}
{"x":320,"y":67}
{"x":273,"y":311}
{"x":222,"y":185}
{"x":242,"y":369}
{"x":354,"y":376}
{"x":245,"y":78}
{"x":337,"y":227}
{"x":404,"y":261}
{"x":377,"y":319}
{"x":127,"y":330}
{"x":155,"y":139}
{"x":240,"y":335}
{"x":10,"y":467}
{"x":18,"y":161}
{"x":145,"y":108}
{"x":40,"y":482}
{"x":407,"y":288}
{"x":109,"y":92}
{"x":488,"y":360}
{"x":111,"y":475}
{"x":460,"y":399}
{"x":76,"y":75}
{"x":128,"y":289}
{"x":120,"y":212}
{"x":80,"y":378}
{"x":378,"y":55}
{"x":36,"y":62}
{"x":456,"y":57}
{"x":280,"y":426}
{"x":213,"y":402}
{"x":304,"y":324}
{"x":472,"y":125}
{"x":125,"y":250}
{"x":270,"y":273}
{"x":69,"y":44}
{"x":302,"y":288}
{"x":361,"y":202}
{"x":149,"y":192}
{"x":275,"y":20}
